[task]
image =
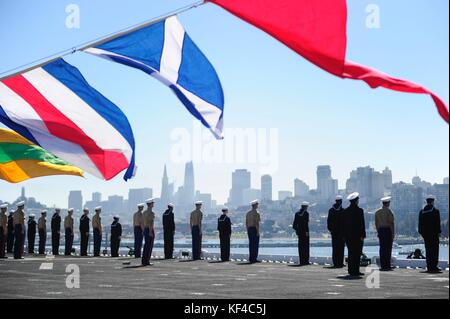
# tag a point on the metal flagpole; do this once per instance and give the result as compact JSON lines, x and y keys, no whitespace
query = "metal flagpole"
{"x":46,"y":60}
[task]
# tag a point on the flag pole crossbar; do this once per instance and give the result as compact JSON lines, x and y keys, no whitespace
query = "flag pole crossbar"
{"x":99,"y":41}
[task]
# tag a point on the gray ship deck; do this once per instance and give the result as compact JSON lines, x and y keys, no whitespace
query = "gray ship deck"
{"x":39,"y":277}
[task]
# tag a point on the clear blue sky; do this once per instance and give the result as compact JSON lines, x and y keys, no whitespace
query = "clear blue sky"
{"x":321,"y":119}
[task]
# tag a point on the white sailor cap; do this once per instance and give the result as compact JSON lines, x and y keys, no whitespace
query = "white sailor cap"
{"x":4,"y":206}
{"x":353,"y":196}
{"x":85,"y":209}
{"x":170,"y":205}
{"x":98,"y":208}
{"x":305,"y":203}
{"x":43,"y":211}
{"x":116,"y":216}
{"x":199,"y":202}
{"x":338,"y":197}
{"x":21,"y":203}
{"x":70,"y":210}
{"x":32,"y":216}
{"x":150,"y":200}
{"x":386,"y":199}
{"x":140,"y":205}
{"x":431,"y":197}
{"x":254,"y":202}
{"x":224,"y":208}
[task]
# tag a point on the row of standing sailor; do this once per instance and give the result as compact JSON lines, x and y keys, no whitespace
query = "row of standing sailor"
{"x":347,"y":228}
{"x":13,"y":238}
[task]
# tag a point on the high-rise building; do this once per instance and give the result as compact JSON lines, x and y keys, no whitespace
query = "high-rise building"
{"x":378,"y":185}
{"x":115,"y":205}
{"x":96,"y":201}
{"x":369,"y":183}
{"x":446,"y":181}
{"x":266,"y":187}
{"x":179,"y":196}
{"x":206,"y":199}
{"x":406,"y":198}
{"x":188,"y":194}
{"x":282,"y":195}
{"x":166,"y":189}
{"x":171,"y":189}
{"x":250,"y":194}
{"x":301,"y":189}
{"x":75,"y":201}
{"x":137,"y":196}
{"x":351,"y":184}
{"x":361,"y":181}
{"x":327,"y":187}
{"x":22,"y":197}
{"x":240,"y":180}
{"x":387,"y":178}
{"x":418,"y":182}
{"x":97,"y":197}
{"x":441,"y":192}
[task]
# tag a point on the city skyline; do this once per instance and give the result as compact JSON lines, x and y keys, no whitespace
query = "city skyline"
{"x":249,"y":190}
{"x":407,"y":200}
